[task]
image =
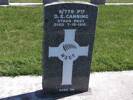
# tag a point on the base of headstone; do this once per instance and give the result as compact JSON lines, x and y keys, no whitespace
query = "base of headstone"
{"x":55,"y":94}
{"x":4,"y":2}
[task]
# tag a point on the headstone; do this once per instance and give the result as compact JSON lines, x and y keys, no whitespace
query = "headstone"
{"x":98,"y":1}
{"x":4,"y":2}
{"x":49,"y":1}
{"x":68,"y":45}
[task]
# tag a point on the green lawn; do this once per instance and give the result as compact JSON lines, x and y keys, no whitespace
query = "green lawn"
{"x":112,"y":1}
{"x":114,"y":39}
{"x":26,"y":1}
{"x":123,"y":1}
{"x":21,"y":40}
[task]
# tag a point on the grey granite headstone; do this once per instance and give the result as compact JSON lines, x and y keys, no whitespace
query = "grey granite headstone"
{"x":4,"y":2}
{"x":98,"y":1}
{"x":68,"y":45}
{"x":49,"y":1}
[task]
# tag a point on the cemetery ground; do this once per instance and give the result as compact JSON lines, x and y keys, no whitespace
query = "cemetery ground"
{"x":21,"y":36}
{"x":106,"y":86}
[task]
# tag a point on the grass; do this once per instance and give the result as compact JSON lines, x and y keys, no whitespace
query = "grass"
{"x":111,"y":1}
{"x":122,"y":1}
{"x":114,"y":39}
{"x":26,"y":1}
{"x":21,"y":40}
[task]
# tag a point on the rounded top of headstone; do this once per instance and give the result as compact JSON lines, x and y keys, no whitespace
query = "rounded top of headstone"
{"x":49,"y":1}
{"x":74,"y":2}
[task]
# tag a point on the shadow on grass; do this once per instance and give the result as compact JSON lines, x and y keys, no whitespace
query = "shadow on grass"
{"x":39,"y":95}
